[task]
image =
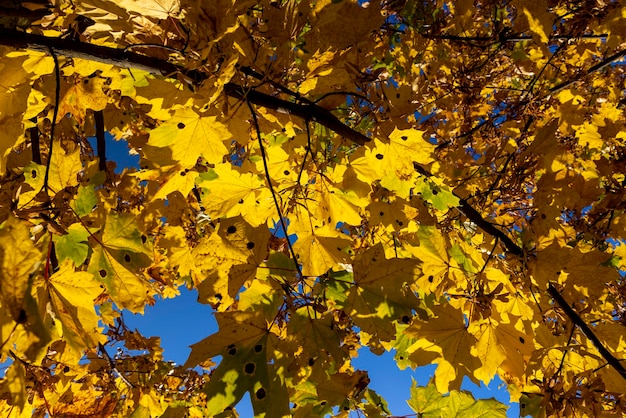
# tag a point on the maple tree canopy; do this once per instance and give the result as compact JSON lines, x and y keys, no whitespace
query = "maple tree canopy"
{"x":450,"y":174}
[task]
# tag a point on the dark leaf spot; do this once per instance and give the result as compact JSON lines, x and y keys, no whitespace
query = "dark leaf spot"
{"x":382,"y":213}
{"x":521,"y":340}
{"x":404,"y":137}
{"x":260,"y":394}
{"x":435,"y":192}
{"x":232,"y":350}
{"x":143,"y":239}
{"x":379,"y":156}
{"x":181,"y":125}
{"x":218,"y":296}
{"x":127,"y":258}
{"x":231,"y":229}
{"x":406,"y":319}
{"x":103,"y":273}
{"x":182,"y":173}
{"x":286,"y":172}
{"x":249,"y":368}
{"x":430,"y":279}
{"x":240,"y":201}
{"x":311,"y":361}
{"x":250,"y":245}
{"x":33,"y":174}
{"x":258,"y":348}
{"x":543,"y":216}
{"x":323,"y":403}
{"x":66,"y":369}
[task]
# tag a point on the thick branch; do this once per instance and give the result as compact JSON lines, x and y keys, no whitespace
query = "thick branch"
{"x":126,"y":59}
{"x":573,"y":316}
{"x":473,"y":215}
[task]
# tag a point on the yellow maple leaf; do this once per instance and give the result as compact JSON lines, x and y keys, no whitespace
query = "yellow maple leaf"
{"x":118,"y":260}
{"x":539,"y":19}
{"x":190,"y":136}
{"x":406,"y":147}
{"x":227,"y":193}
{"x":19,"y":258}
{"x":235,"y":327}
{"x":227,"y":260}
{"x":588,"y":136}
{"x":445,"y":334}
{"x":170,"y":179}
{"x":319,"y":248}
{"x":86,"y":94}
{"x":383,"y":292}
{"x":71,"y":296}
{"x":64,"y":168}
{"x":487,"y":349}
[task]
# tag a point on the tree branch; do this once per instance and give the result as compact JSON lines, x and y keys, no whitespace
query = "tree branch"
{"x":602,"y":64}
{"x":510,"y":38}
{"x":573,"y":316}
{"x":474,"y":216}
{"x":34,"y":142}
{"x":126,"y":59}
{"x":100,"y":141}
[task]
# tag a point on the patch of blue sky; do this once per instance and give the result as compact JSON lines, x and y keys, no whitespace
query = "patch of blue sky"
{"x":118,"y":151}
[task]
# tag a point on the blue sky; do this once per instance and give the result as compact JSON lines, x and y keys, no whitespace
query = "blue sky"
{"x":183,"y":321}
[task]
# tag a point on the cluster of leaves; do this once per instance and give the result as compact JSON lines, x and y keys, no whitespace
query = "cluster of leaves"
{"x":442,"y":179}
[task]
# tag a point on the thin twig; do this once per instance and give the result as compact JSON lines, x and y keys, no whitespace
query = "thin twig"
{"x":112,"y":365}
{"x":281,"y":219}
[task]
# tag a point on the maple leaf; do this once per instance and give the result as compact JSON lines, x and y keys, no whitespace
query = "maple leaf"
{"x":230,"y":193}
{"x":189,"y":136}
{"x":71,"y":296}
{"x":19,"y":259}
{"x":319,"y":248}
{"x":428,"y":402}
{"x":382,"y":292}
{"x":228,"y":260}
{"x":117,"y":260}
{"x":448,"y":337}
